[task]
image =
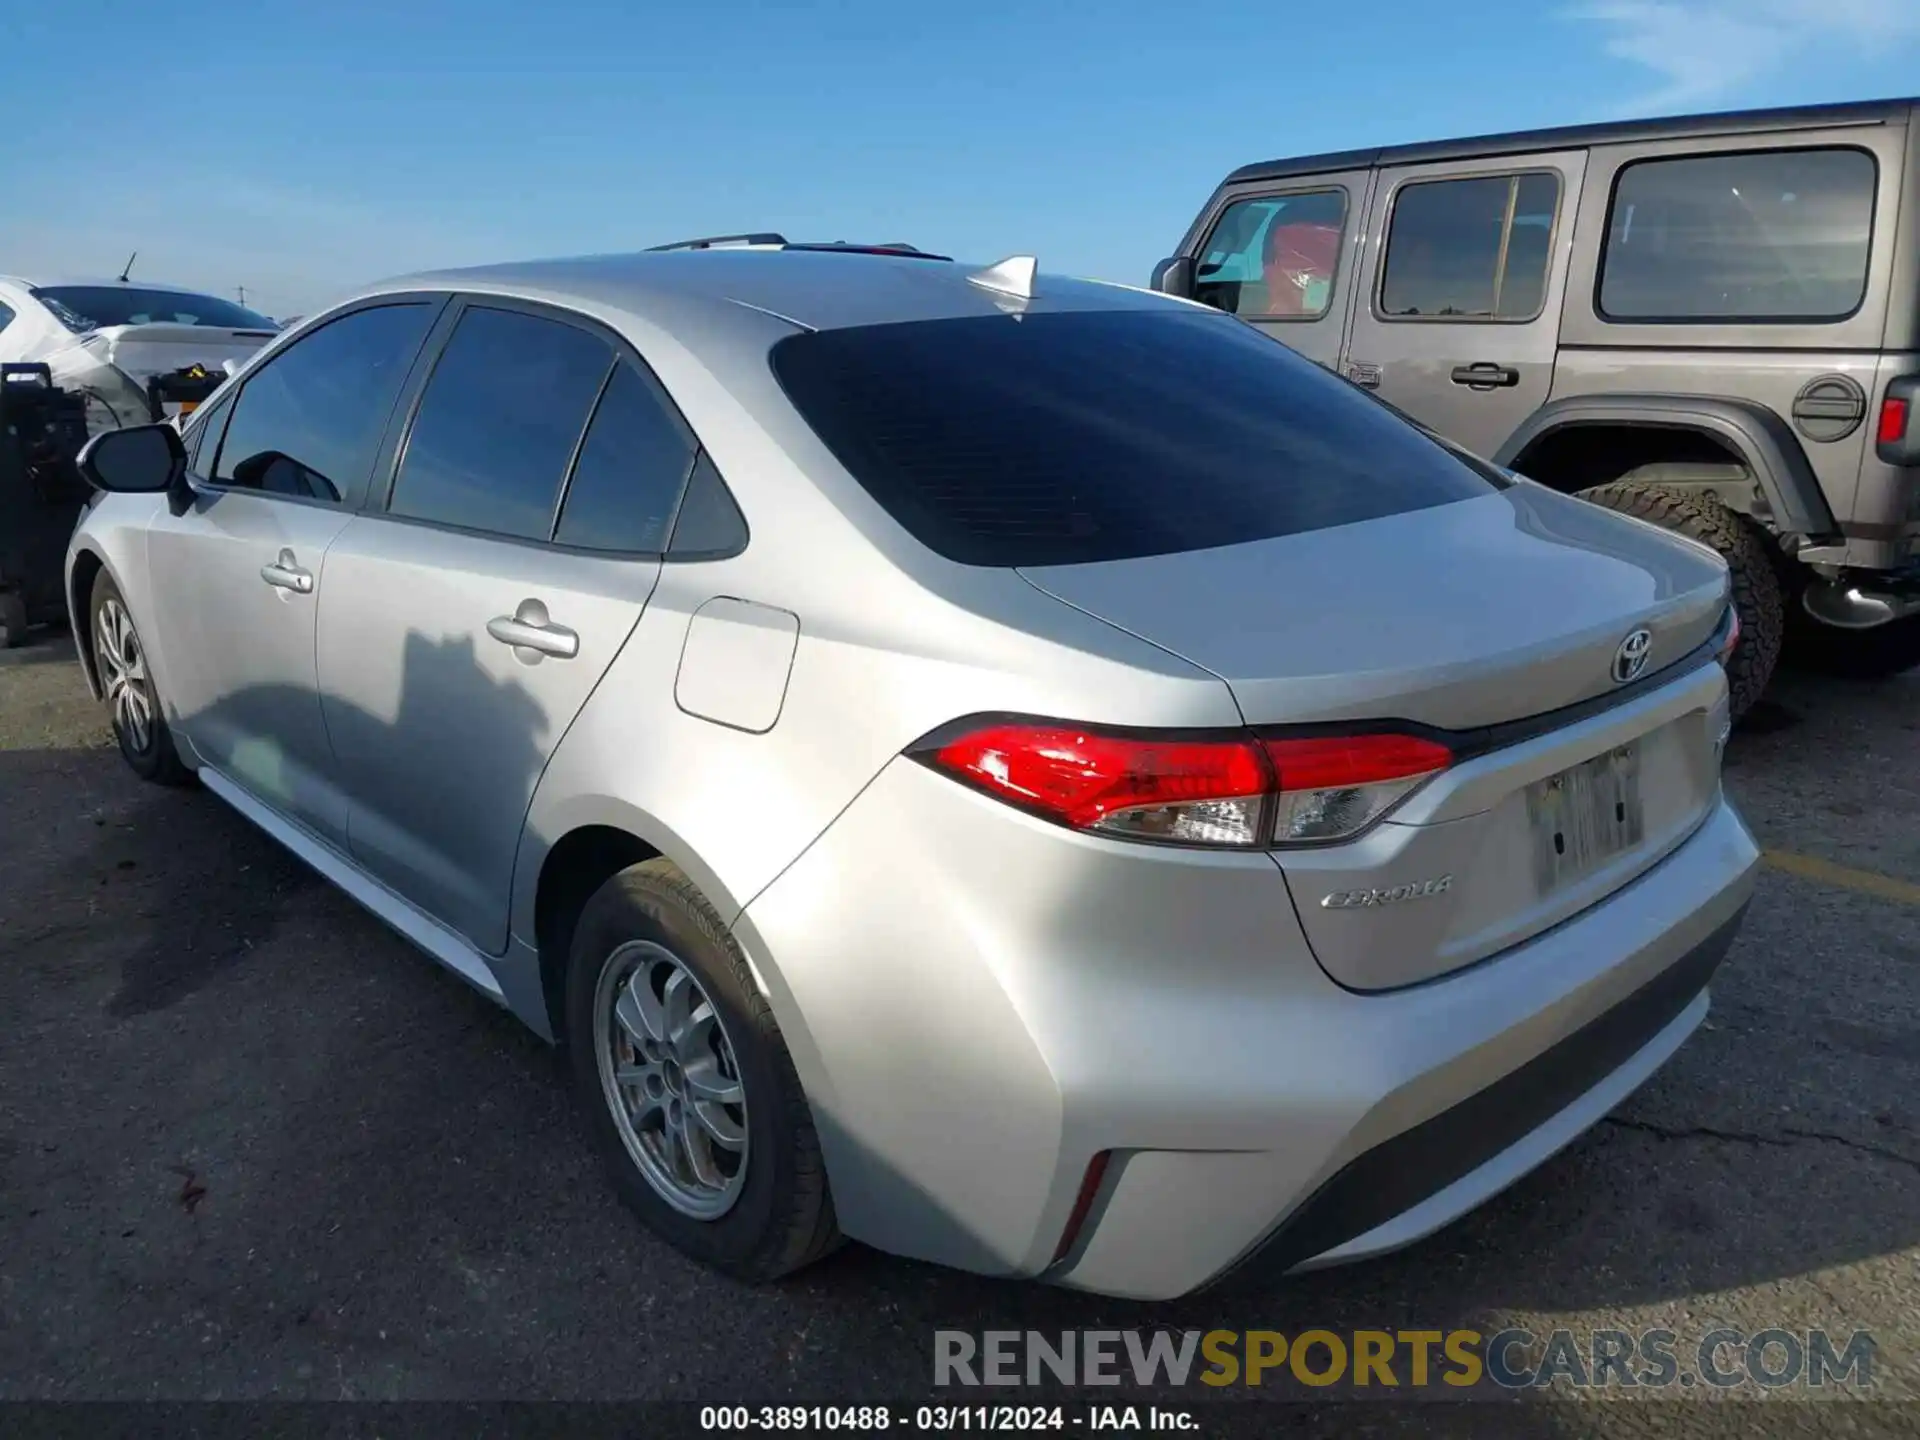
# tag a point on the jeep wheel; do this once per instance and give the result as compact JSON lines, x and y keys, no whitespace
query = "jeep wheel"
{"x":1743,"y":545}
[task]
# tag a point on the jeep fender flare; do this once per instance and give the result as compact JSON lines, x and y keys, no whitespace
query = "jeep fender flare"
{"x":1763,"y":441}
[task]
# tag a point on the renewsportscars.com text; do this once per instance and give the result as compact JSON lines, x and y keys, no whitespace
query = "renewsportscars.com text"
{"x":1452,"y":1360}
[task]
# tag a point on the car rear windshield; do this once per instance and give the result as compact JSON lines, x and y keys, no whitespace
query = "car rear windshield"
{"x":95,"y":307}
{"x":1072,"y":437}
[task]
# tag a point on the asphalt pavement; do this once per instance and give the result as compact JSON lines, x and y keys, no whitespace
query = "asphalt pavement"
{"x":252,"y":1145}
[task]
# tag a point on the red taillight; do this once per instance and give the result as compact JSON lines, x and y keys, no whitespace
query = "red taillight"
{"x":1335,"y":786}
{"x":1198,"y":791}
{"x":1236,"y":790}
{"x":1895,"y":411}
{"x":1322,"y":763}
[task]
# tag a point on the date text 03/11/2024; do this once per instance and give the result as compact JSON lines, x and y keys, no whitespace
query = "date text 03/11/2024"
{"x":812,"y":1419}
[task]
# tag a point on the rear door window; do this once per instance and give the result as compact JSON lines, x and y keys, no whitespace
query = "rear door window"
{"x":307,"y":422}
{"x":499,"y":422}
{"x":632,"y":467}
{"x":1759,"y":237}
{"x":1274,"y":257}
{"x":1476,"y":248}
{"x":1068,"y":437}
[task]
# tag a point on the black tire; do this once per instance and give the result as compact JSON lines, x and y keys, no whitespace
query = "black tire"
{"x":782,"y":1218}
{"x":154,"y":758}
{"x":1745,"y":547}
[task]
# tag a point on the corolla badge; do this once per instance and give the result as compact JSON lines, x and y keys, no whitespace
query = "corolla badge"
{"x":1631,"y":658}
{"x":1419,"y":890}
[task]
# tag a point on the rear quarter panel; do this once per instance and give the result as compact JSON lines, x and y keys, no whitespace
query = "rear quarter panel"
{"x":891,"y":642}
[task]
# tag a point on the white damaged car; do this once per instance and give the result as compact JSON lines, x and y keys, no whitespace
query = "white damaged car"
{"x":106,"y":339}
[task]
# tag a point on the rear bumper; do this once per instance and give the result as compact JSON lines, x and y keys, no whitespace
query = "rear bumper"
{"x":1561,"y":1070}
{"x":979,"y":1003}
{"x":1404,"y":1189}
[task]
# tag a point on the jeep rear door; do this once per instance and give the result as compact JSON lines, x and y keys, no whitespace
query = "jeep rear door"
{"x":1458,"y":313}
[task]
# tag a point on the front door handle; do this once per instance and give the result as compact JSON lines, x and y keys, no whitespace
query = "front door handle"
{"x":286,"y":574}
{"x":532,"y":633}
{"x":1484,"y":375}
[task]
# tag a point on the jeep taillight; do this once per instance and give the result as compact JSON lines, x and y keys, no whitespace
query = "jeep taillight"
{"x":1234,"y":790}
{"x":1897,"y":435}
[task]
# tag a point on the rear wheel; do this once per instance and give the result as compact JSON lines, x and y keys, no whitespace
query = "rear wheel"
{"x":1744,"y":546}
{"x":687,"y":1084}
{"x":126,"y":680}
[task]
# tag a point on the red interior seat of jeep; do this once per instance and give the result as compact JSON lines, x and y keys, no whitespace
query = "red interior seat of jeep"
{"x":1298,"y":254}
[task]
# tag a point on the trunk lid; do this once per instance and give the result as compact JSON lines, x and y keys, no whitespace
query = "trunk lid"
{"x":112,"y":365}
{"x":143,"y":351}
{"x":1457,"y":616}
{"x":1493,"y":612}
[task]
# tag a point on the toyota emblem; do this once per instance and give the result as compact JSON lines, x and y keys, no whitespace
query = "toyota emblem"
{"x":1631,"y":658}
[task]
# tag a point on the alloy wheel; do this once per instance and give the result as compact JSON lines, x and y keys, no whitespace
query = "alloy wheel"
{"x":123,"y":668}
{"x":670,"y":1076}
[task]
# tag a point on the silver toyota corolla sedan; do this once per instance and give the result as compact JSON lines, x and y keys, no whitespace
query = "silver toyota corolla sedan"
{"x":1021,"y":772}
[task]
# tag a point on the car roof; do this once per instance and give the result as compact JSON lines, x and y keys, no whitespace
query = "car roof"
{"x":1730,"y":122}
{"x":811,"y":289}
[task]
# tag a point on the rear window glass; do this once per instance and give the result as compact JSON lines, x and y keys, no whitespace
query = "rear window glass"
{"x":1760,"y":236}
{"x":1058,"y":439}
{"x":95,"y":307}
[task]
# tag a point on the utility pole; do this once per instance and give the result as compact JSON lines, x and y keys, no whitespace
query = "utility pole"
{"x":243,"y":294}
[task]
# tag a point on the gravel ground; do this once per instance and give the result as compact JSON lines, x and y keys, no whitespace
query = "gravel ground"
{"x":251,"y":1145}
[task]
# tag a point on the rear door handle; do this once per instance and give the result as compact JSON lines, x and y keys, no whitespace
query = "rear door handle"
{"x":285,"y":574}
{"x":1484,"y":375}
{"x":530,"y":628}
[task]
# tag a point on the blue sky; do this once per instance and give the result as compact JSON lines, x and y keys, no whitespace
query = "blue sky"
{"x":301,"y":148}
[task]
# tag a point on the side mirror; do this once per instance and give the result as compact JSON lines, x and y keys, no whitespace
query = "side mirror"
{"x":139,"y":460}
{"x":1174,"y":277}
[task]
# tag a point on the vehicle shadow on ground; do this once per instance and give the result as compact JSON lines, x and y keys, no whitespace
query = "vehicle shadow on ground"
{"x":252,"y":1143}
{"x":49,"y":646}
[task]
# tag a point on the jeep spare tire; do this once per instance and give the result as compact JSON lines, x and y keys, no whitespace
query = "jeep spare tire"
{"x":1744,"y":546}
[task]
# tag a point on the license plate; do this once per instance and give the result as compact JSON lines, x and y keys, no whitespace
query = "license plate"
{"x":1583,"y":817}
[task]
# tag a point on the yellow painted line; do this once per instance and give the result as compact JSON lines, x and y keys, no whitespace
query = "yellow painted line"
{"x":1864,"y":882}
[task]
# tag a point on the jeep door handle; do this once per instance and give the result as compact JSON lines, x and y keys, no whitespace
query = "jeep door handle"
{"x":1484,"y":375}
{"x":531,"y":628}
{"x":285,"y":574}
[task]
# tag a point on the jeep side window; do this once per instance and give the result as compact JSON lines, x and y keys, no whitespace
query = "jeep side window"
{"x":1759,"y":236}
{"x":1477,"y":248}
{"x":1275,"y":257}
